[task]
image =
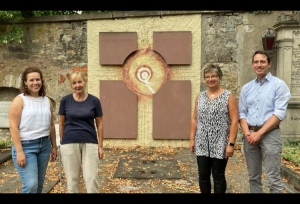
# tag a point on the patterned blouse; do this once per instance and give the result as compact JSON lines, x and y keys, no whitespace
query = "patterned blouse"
{"x":213,"y":125}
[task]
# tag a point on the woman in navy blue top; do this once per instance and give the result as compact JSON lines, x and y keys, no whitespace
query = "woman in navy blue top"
{"x":81,"y":134}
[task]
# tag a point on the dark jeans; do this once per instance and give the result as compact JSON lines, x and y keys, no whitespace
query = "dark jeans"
{"x":206,"y":166}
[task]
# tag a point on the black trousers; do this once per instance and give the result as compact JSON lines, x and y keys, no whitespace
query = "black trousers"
{"x":206,"y":166}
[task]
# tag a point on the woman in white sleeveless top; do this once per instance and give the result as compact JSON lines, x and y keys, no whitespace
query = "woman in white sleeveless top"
{"x":32,"y":130}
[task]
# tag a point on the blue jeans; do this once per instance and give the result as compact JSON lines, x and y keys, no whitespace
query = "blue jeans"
{"x":37,"y":154}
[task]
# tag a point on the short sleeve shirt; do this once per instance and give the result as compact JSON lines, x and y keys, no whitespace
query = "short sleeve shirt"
{"x":79,"y":126}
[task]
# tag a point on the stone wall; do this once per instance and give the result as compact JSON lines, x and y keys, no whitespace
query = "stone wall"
{"x":288,"y":69}
{"x":231,"y":40}
{"x":59,"y":45}
{"x":56,"y":48}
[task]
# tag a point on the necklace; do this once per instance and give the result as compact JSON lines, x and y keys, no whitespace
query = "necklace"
{"x":215,"y":92}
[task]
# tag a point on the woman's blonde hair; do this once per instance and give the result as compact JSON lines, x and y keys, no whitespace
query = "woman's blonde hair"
{"x":77,"y":74}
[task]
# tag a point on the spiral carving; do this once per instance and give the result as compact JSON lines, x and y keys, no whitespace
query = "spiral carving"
{"x":145,"y":72}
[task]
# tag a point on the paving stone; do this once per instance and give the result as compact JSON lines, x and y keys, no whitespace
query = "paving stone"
{"x":148,"y":169}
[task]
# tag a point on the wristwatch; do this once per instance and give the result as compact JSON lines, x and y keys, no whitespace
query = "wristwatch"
{"x":231,"y":143}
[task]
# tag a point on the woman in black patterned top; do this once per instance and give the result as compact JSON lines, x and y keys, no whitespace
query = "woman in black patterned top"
{"x":214,"y":128}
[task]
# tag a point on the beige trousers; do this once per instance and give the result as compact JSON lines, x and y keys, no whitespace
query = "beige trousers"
{"x":74,"y":156}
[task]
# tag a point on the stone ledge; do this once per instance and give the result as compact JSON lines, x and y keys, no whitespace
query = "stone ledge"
{"x":292,"y":177}
{"x":5,"y":155}
{"x":114,"y":14}
{"x":289,"y":188}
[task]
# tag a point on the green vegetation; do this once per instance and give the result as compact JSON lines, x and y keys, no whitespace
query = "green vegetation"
{"x":5,"y":143}
{"x":260,"y":12}
{"x":15,"y":32}
{"x":291,"y":151}
{"x":65,"y":12}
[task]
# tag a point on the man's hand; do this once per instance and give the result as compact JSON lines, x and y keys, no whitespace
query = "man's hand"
{"x":253,"y":138}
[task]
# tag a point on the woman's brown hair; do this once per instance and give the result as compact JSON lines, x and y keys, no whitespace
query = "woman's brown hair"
{"x":24,"y":88}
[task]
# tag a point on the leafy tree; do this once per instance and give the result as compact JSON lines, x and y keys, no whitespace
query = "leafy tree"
{"x":63,"y":12}
{"x":15,"y":32}
{"x":52,"y":13}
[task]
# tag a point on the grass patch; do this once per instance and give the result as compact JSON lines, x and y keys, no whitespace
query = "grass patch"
{"x":5,"y":143}
{"x":291,"y":151}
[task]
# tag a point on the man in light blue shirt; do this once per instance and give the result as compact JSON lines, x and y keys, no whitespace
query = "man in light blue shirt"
{"x":262,"y":106}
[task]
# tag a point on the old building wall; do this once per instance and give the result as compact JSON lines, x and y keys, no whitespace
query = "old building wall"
{"x":56,"y":48}
{"x":53,"y":47}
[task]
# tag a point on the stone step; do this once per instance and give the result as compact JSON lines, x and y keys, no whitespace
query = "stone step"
{"x":5,"y":155}
{"x":293,"y":179}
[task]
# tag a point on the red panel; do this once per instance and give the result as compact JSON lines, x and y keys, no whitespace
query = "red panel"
{"x":115,"y":47}
{"x":172,"y":110}
{"x":175,"y":46}
{"x":119,"y":106}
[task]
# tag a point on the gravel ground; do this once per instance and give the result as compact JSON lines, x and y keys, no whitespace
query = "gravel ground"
{"x":236,"y":173}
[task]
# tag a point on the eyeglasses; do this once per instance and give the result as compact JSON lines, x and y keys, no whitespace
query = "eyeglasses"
{"x":211,"y":77}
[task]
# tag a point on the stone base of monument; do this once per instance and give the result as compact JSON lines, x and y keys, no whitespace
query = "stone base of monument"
{"x":148,"y":169}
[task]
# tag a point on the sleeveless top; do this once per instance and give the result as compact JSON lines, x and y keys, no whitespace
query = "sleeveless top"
{"x":35,"y":118}
{"x":213,"y":125}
